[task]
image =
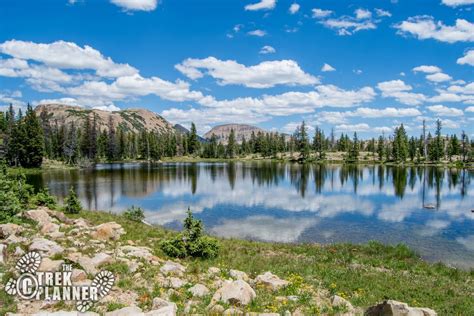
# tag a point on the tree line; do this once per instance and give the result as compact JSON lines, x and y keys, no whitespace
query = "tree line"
{"x":29,"y":138}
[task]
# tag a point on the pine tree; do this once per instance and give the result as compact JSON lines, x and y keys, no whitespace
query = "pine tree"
{"x":353,"y":152}
{"x":412,"y":150}
{"x":231,"y":144}
{"x":111,"y":141}
{"x":454,"y":147}
{"x":34,"y":140}
{"x":301,"y":136}
{"x":318,"y":143}
{"x":437,"y":146}
{"x":193,"y":141}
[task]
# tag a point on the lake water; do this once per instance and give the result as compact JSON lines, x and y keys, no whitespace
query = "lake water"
{"x":427,"y":208}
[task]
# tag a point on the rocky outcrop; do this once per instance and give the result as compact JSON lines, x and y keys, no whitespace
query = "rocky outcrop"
{"x":395,"y":308}
{"x":130,"y":120}
{"x":222,"y":132}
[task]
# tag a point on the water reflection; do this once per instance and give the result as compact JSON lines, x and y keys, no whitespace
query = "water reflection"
{"x":427,"y":208}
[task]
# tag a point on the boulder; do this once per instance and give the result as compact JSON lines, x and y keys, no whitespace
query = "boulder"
{"x":216,"y":309}
{"x":81,"y":223}
{"x":236,"y":292}
{"x":239,"y":275}
{"x":395,"y":308}
{"x":199,"y":290}
{"x":3,"y":253}
{"x":162,"y":307}
{"x":213,"y":271}
{"x":108,"y":231}
{"x":175,"y":283}
{"x":50,"y":265}
{"x":171,"y":267}
{"x":338,"y":301}
{"x":39,"y":215}
{"x":60,"y":217}
{"x":91,"y":265}
{"x":136,"y":252}
{"x":49,"y":228}
{"x":126,"y":311}
{"x":6,"y":230}
{"x":78,"y":275}
{"x":271,"y":281}
{"x":45,"y":247}
{"x":169,"y":310}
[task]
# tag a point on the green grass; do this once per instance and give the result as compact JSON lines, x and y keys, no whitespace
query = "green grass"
{"x":384,"y":272}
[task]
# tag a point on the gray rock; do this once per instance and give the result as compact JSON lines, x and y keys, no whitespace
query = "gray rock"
{"x":126,"y":311}
{"x":136,"y":252}
{"x":162,"y":308}
{"x":171,"y":267}
{"x":3,"y":253}
{"x":395,"y":308}
{"x":199,"y":290}
{"x":39,"y":215}
{"x":236,"y":292}
{"x":46,"y":247}
{"x":91,"y":265}
{"x":108,"y":231}
{"x":239,"y":275}
{"x":6,"y":230}
{"x":175,"y":283}
{"x":271,"y":281}
{"x":50,"y":265}
{"x":338,"y":301}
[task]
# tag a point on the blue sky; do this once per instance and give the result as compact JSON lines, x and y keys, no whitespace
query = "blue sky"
{"x":362,"y":66}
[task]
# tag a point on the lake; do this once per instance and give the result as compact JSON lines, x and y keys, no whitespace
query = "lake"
{"x":427,"y":208}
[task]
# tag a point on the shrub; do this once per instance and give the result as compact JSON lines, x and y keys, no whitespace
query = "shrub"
{"x":43,"y":198}
{"x":134,"y":214}
{"x":14,"y":194}
{"x":191,"y":242}
{"x":72,"y":203}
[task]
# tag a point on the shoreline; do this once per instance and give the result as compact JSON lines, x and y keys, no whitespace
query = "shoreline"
{"x":59,"y":165}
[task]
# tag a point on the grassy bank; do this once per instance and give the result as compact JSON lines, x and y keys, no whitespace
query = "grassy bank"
{"x":363,"y":274}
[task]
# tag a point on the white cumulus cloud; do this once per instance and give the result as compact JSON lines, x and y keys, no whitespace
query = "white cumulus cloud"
{"x":427,"y":69}
{"x":320,"y":13}
{"x":425,"y":27}
{"x":66,"y":55}
{"x":456,"y":3}
{"x":264,"y":75}
{"x":262,"y":5}
{"x":327,"y":67}
{"x":445,"y":111}
{"x":467,"y":59}
{"x":136,"y":5}
{"x":267,"y":50}
{"x":439,"y":77}
{"x":295,"y":7}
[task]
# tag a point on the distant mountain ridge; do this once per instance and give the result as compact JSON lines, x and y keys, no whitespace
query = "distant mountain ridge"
{"x":222,"y":132}
{"x":130,"y":120}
